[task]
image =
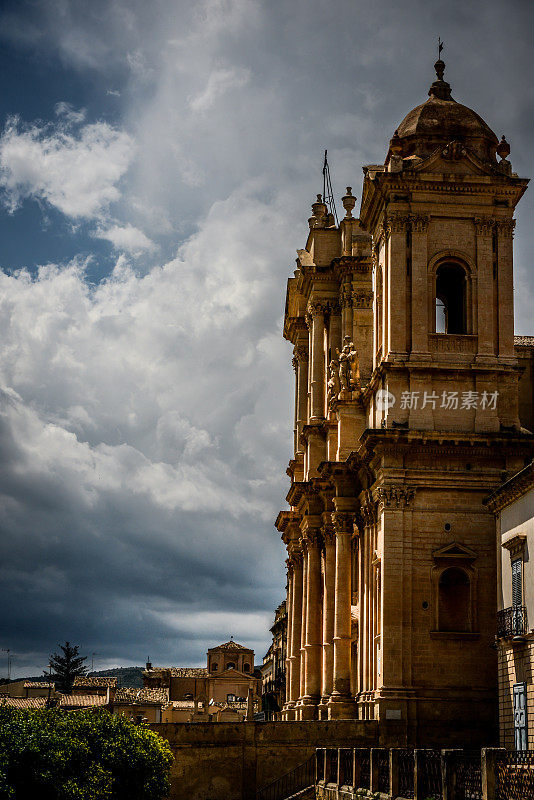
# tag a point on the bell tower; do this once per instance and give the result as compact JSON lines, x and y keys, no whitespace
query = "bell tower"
{"x":407,"y":417}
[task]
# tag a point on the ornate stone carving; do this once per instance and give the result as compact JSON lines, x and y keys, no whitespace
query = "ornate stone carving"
{"x":329,"y":534}
{"x":295,"y":363}
{"x":395,"y":496}
{"x":334,"y":384}
{"x":300,"y":353}
{"x":368,"y":509}
{"x":484,"y":226}
{"x":345,"y":296}
{"x":334,"y":307}
{"x":348,"y":366}
{"x":317,"y":308}
{"x":505,"y":228}
{"x":362,"y":298}
{"x":454,"y":151}
{"x":397,"y":223}
{"x":419,"y":222}
{"x":343,"y":521}
{"x":311,"y":538}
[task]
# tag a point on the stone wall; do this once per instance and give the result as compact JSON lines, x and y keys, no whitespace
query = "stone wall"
{"x":230,"y":761}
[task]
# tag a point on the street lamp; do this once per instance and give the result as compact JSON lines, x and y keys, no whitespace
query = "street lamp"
{"x":9,"y":659}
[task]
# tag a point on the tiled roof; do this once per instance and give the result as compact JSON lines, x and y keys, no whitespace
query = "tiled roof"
{"x":527,"y":341}
{"x":23,"y":702}
{"x":95,"y":680}
{"x":231,"y":645}
{"x":176,"y":672}
{"x":81,"y":700}
{"x":189,"y":672}
{"x":37,"y":685}
{"x":130,"y":695}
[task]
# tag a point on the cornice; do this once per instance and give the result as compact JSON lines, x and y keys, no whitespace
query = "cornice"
{"x":516,"y":487}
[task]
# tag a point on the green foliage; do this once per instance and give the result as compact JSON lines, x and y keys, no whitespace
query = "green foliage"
{"x":67,"y":667}
{"x":80,"y":755}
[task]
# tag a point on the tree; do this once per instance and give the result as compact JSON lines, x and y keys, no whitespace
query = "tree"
{"x":52,"y":754}
{"x":67,"y":667}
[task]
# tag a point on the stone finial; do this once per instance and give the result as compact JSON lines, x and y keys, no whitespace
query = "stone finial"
{"x":440,"y":88}
{"x":503,"y":148}
{"x":319,"y":217}
{"x":349,"y":201}
{"x":395,"y":144}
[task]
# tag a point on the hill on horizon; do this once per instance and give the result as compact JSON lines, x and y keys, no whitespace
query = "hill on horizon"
{"x":126,"y":676}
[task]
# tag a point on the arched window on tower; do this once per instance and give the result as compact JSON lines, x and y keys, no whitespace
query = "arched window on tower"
{"x":451,"y":307}
{"x":454,"y":600}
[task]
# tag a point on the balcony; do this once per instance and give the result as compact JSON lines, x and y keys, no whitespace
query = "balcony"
{"x":511,"y":622}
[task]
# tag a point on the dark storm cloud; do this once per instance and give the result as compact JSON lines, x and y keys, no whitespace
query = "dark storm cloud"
{"x":146,"y":421}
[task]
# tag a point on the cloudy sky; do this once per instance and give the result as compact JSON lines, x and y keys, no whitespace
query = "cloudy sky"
{"x":157,"y":164}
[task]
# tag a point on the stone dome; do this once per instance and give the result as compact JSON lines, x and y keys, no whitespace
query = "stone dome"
{"x":441,"y":120}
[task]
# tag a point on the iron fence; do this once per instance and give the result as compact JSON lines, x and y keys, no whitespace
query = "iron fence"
{"x":468,"y":776}
{"x":429,"y":778}
{"x":383,"y":771}
{"x":362,"y":758}
{"x":319,"y":764}
{"x":514,"y":775}
{"x":331,"y":765}
{"x":406,"y":764}
{"x":511,"y":622}
{"x":345,"y":767}
{"x":302,"y":777}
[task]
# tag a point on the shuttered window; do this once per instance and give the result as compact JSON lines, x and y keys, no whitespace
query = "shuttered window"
{"x":517,"y":582}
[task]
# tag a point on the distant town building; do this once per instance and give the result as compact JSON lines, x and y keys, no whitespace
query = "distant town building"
{"x":273,"y":669}
{"x":221,"y":688}
{"x":513,"y":504}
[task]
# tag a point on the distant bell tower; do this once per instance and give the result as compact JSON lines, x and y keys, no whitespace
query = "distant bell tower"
{"x":407,"y":416}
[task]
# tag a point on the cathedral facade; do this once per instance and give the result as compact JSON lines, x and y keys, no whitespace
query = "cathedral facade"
{"x":409,"y":411}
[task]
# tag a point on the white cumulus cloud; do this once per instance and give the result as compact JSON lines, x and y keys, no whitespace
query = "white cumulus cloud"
{"x":76,"y":172}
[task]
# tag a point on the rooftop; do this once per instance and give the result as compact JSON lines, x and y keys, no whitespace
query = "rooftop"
{"x":93,"y":680}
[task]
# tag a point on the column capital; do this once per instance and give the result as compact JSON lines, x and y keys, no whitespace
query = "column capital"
{"x":343,"y":522}
{"x":397,"y":222}
{"x":316,"y":308}
{"x":505,"y":228}
{"x":368,"y":508}
{"x":394,"y":496}
{"x":420,"y":222}
{"x":484,"y":226}
{"x":300,"y":353}
{"x":329,"y":534}
{"x":362,"y":298}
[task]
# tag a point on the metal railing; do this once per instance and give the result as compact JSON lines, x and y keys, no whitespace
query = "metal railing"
{"x":467,"y":769}
{"x":511,"y":622}
{"x":294,"y":781}
{"x":514,"y":775}
{"x":406,"y":764}
{"x":383,"y":770}
{"x":429,"y":778}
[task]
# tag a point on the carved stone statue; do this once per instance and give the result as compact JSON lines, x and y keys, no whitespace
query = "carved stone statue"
{"x":334,"y":385}
{"x":348,"y":366}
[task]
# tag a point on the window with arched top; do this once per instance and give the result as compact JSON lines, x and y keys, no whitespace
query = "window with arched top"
{"x":246,"y":667}
{"x":454,"y":600}
{"x":451,"y":299}
{"x":230,"y":665}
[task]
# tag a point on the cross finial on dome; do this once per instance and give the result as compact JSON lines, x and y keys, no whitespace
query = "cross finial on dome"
{"x":440,"y":88}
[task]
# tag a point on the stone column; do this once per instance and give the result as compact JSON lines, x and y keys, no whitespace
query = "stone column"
{"x":289,"y":611}
{"x":302,"y":671}
{"x":484,"y":239}
{"x":345,"y":299}
{"x":420,"y":299}
{"x":301,"y":355}
{"x":341,"y":703}
{"x":296,"y":627}
{"x":329,"y":600}
{"x":335,"y":329}
{"x":396,"y":243}
{"x":312,"y":681}
{"x":317,"y":386}
{"x":505,"y":263}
